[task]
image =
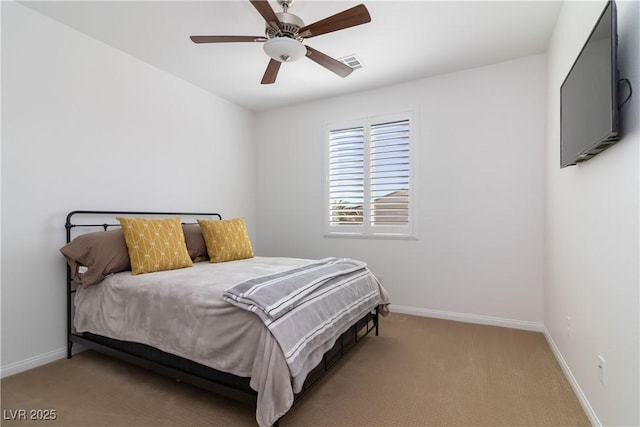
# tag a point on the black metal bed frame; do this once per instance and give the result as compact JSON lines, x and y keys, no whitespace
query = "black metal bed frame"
{"x":181,"y":369}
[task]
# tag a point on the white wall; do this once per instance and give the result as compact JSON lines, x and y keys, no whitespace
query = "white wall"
{"x":88,"y":127}
{"x":591,"y":234}
{"x":481,"y":138}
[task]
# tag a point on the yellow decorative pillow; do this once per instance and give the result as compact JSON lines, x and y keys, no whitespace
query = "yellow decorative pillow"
{"x":155,"y":244}
{"x":226,"y":240}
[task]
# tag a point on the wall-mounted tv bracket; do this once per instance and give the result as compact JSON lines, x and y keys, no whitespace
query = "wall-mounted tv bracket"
{"x":630,"y":92}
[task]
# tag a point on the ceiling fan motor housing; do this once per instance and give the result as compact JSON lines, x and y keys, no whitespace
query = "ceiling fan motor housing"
{"x":290,"y":25}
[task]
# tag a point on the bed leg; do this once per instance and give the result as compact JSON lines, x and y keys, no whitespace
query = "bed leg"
{"x":69,"y":349}
{"x":377,"y":319}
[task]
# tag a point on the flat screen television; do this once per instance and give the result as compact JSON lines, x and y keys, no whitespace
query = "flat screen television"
{"x":589,"y":95}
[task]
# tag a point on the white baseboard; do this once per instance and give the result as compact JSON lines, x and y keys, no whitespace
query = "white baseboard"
{"x":32,"y":362}
{"x":593,"y":418}
{"x":469,"y":318}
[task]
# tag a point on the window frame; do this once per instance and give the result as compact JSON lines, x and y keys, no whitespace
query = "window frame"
{"x":366,"y":229}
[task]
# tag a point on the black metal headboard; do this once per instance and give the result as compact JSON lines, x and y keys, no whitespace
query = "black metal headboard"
{"x":69,"y":225}
{"x":90,"y":219}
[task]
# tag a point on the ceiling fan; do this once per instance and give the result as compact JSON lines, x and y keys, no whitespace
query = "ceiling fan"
{"x":285,"y":32}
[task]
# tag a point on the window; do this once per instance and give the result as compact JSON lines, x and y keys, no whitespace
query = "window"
{"x":370,"y":177}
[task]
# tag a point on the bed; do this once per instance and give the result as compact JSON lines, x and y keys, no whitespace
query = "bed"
{"x":243,"y":326}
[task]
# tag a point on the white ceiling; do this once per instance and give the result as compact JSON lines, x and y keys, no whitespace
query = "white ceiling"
{"x":405,"y":40}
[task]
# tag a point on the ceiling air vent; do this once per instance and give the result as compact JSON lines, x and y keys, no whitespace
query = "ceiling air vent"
{"x":352,"y":61}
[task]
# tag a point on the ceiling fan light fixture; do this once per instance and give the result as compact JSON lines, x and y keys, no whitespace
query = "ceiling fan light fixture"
{"x":284,"y":49}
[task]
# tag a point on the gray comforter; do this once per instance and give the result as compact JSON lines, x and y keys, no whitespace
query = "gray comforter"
{"x":183,"y":312}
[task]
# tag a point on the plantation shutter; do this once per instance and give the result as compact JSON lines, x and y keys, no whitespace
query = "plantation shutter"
{"x":390,"y":173}
{"x":369,"y":177}
{"x":346,"y":176}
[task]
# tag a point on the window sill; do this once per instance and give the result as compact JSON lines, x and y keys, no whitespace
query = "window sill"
{"x":388,"y":236}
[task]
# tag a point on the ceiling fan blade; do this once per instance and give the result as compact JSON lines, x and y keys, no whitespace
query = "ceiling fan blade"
{"x":357,"y":15}
{"x":262,"y":6}
{"x":226,"y":39}
{"x":271,"y":72}
{"x":328,"y":62}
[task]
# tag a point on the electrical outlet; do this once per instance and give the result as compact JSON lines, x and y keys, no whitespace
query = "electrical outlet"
{"x":568,"y":326}
{"x":602,"y":365}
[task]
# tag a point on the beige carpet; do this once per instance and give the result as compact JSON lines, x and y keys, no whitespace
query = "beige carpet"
{"x":418,"y":372}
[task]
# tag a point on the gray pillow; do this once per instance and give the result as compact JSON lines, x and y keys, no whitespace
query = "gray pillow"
{"x":101,"y":253}
{"x":195,"y":242}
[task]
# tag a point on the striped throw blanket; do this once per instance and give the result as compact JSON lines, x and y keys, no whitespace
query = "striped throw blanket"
{"x":309,"y":306}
